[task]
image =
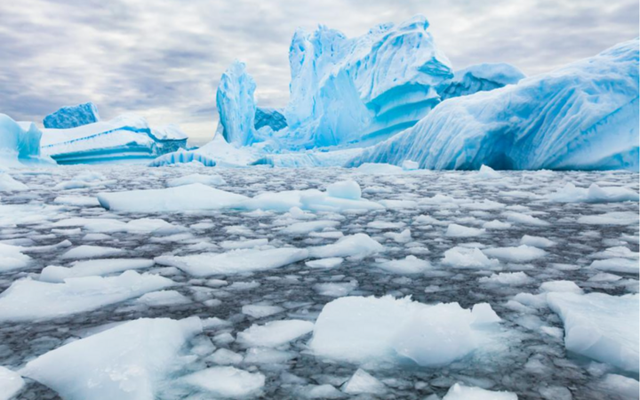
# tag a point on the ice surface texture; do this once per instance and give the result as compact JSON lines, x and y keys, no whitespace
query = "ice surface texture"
{"x":581,"y":116}
{"x":19,"y":143}
{"x":72,"y":116}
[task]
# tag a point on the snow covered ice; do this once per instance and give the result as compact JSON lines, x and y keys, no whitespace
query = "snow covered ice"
{"x":296,"y":278}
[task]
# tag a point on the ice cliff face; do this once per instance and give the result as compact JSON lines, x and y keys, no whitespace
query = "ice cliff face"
{"x":363,"y":89}
{"x":270,"y":117}
{"x":479,"y":78}
{"x":19,"y":143}
{"x":72,"y":116}
{"x":581,"y":116}
{"x":236,"y":106}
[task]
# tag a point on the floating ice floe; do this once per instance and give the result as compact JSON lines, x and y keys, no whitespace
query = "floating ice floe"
{"x":460,"y":392}
{"x":195,"y":196}
{"x":594,"y":194}
{"x":261,"y":310}
{"x":359,"y":245}
{"x":407,"y":265}
{"x":369,"y":329}
{"x":468,"y":258}
{"x":79,"y":269}
{"x":508,"y":278}
{"x":624,"y":265}
{"x":234,"y":261}
{"x":361,"y":382}
{"x":455,"y":230}
{"x":611,"y":218}
{"x":522,"y":253}
{"x":10,"y":383}
{"x":128,"y":362}
{"x":600,"y":326}
{"x":11,"y":257}
{"x":89,"y":251}
{"x":274,"y":333}
{"x":27,"y":299}
{"x":226,"y":382}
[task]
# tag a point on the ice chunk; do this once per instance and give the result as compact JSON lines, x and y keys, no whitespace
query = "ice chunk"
{"x":10,"y":383}
{"x":235,"y":261}
{"x":325,"y":263}
{"x":365,"y":329}
{"x":409,"y":165}
{"x":595,"y":194}
{"x":626,"y":388}
{"x":72,"y":116}
{"x":8,"y":184}
{"x":163,"y":298}
{"x":302,"y":228}
{"x":624,"y":265}
{"x":580,"y":116}
{"x":522,"y":253}
{"x":27,"y":299}
{"x":560,"y":286}
{"x":345,"y":190}
{"x":359,"y":245}
{"x":408,"y":265}
{"x":487,"y":173}
{"x":195,"y":196}
{"x":274,"y":333}
{"x":611,"y":218}
{"x":362,"y":382}
{"x":93,"y":268}
{"x":537,"y":241}
{"x":468,"y":258}
{"x":508,"y":278}
{"x":333,"y":289}
{"x":599,"y":326}
{"x":525,"y":219}
{"x":226,"y":382}
{"x":261,"y":310}
{"x":225,"y":357}
{"x":88,"y":251}
{"x":210,"y":180}
{"x":455,"y":230}
{"x":128,"y":362}
{"x":11,"y":257}
{"x":459,"y":392}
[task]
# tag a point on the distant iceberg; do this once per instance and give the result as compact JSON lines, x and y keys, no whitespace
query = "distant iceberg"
{"x":72,"y":116}
{"x":19,"y":143}
{"x":127,"y":138}
{"x":581,"y":116}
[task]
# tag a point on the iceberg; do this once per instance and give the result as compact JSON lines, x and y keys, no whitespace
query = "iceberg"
{"x":363,"y":89}
{"x":127,"y":362}
{"x":19,"y":143}
{"x":582,"y":116}
{"x":479,"y":78}
{"x":271,"y":117}
{"x":72,"y":116}
{"x":215,"y":153}
{"x":236,"y":106}
{"x":125,"y":138}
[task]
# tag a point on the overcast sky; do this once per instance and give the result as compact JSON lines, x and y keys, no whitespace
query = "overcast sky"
{"x":162,"y":59}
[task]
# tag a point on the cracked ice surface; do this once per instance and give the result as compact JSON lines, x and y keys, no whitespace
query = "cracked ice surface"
{"x":260,"y":279}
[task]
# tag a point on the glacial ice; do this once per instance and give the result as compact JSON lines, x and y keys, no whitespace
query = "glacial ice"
{"x":600,"y":326}
{"x":369,"y":329}
{"x":362,"y":89}
{"x":27,"y":299}
{"x":479,"y":78}
{"x":72,"y":116}
{"x":581,"y":116}
{"x":127,"y":138}
{"x":127,"y":362}
{"x":236,"y":106}
{"x":19,"y":143}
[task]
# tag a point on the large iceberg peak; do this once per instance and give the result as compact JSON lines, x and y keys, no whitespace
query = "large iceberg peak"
{"x":236,"y":105}
{"x":580,"y":116}
{"x":346,"y":91}
{"x":72,"y":116}
{"x":19,"y":143}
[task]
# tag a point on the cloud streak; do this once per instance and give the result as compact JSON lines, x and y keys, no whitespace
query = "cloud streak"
{"x":163,"y":59}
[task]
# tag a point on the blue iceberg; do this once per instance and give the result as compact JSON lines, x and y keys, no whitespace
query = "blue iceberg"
{"x":270,"y":117}
{"x":581,"y":116}
{"x":236,"y":105}
{"x":72,"y":116}
{"x":127,"y":138}
{"x":361,"y":90}
{"x":19,"y":143}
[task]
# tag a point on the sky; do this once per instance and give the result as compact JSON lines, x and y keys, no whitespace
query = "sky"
{"x":163,"y":59}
